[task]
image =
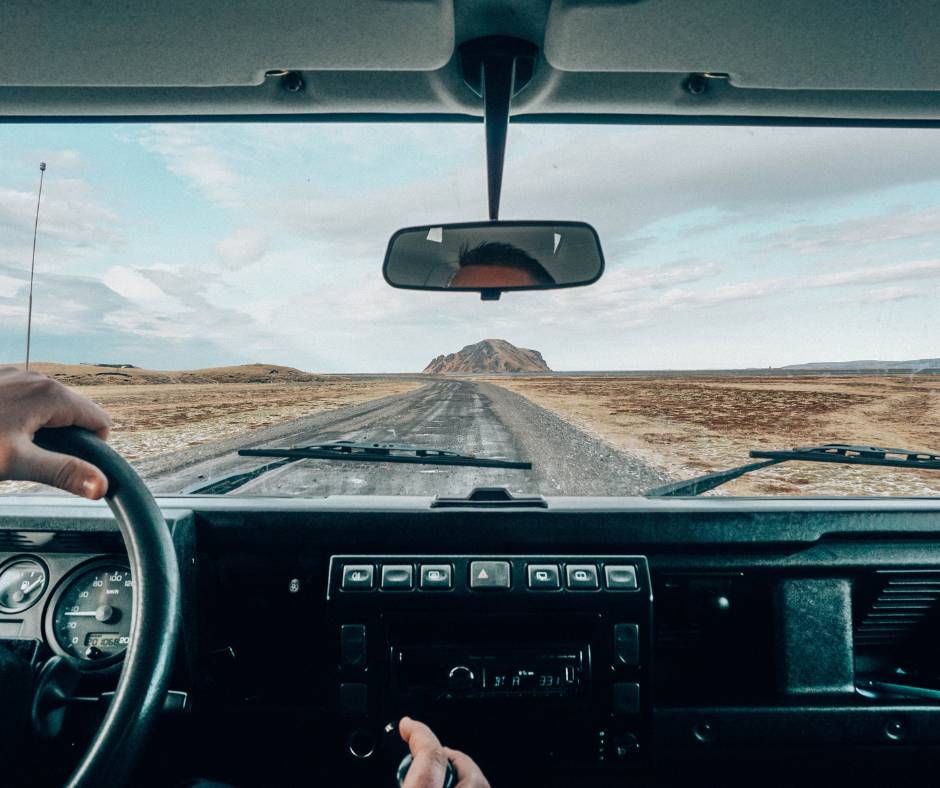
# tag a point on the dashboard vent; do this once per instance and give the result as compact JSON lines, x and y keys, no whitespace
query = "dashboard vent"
{"x":901,"y":602}
{"x":60,"y":542}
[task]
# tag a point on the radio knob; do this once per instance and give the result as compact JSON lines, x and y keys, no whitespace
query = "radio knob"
{"x":460,"y":678}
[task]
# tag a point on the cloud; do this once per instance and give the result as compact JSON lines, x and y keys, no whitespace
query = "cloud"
{"x":896,"y":225}
{"x":885,"y":295}
{"x":190,"y":154}
{"x":243,"y":247}
{"x":65,"y":159}
{"x":73,"y":223}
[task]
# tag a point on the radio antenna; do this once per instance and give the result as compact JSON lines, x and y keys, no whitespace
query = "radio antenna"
{"x":32,"y":266}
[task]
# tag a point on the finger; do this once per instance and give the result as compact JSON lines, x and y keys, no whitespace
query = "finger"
{"x":75,"y":410}
{"x":30,"y":463}
{"x":429,"y":764}
{"x":468,"y":773}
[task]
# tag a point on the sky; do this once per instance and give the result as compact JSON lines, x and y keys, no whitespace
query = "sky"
{"x":192,"y":245}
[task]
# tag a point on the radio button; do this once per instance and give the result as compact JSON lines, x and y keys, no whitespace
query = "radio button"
{"x":397,"y":577}
{"x":627,"y":644}
{"x":621,"y":578}
{"x":582,"y":577}
{"x":358,"y":577}
{"x":460,"y":678}
{"x":353,"y":701}
{"x":436,"y":577}
{"x":626,"y":698}
{"x":544,"y":577}
{"x":489,"y":575}
{"x":352,"y":640}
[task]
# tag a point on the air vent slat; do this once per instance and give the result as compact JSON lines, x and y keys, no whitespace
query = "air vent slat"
{"x":902,"y":602}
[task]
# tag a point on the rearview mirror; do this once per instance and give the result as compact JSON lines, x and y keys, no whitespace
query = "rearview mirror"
{"x":490,"y":257}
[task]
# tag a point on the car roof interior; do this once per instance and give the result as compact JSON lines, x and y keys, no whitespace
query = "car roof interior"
{"x":596,"y":59}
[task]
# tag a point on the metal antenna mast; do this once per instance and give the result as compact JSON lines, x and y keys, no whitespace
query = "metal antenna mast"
{"x":32,"y":266}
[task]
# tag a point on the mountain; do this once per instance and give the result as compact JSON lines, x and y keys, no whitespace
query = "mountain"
{"x":489,"y":355}
{"x":913,"y":365}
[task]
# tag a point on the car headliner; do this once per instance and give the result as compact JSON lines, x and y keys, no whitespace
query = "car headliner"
{"x":861,"y":61}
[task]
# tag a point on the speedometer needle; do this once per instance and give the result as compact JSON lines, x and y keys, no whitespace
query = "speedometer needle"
{"x":103,"y":613}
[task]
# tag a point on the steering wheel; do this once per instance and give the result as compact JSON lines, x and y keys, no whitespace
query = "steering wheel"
{"x":148,"y":661}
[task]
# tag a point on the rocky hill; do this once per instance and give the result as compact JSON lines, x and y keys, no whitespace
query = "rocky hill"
{"x":489,"y":355}
{"x":126,"y":374}
{"x":913,"y":365}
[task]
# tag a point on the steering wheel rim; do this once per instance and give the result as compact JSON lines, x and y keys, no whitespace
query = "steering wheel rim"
{"x":155,"y":616}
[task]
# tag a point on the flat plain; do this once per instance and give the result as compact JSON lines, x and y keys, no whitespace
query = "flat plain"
{"x":676,"y":425}
{"x":156,"y":418}
{"x":691,"y":424}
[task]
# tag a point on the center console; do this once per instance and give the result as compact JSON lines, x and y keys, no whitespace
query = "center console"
{"x":549,"y":654}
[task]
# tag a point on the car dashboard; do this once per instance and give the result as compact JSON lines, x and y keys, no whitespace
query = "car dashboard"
{"x":588,"y":641}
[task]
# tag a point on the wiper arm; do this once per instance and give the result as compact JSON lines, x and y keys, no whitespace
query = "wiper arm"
{"x":384,"y":452}
{"x":842,"y":453}
{"x":345,"y":450}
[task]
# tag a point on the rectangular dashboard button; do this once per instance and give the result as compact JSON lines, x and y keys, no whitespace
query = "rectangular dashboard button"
{"x":358,"y":577}
{"x":489,"y":575}
{"x":352,"y":642}
{"x":353,"y":701}
{"x":436,"y":577}
{"x":626,"y":698}
{"x":397,"y":577}
{"x":627,"y":644}
{"x":543,"y":577}
{"x":582,"y":577}
{"x":621,"y":577}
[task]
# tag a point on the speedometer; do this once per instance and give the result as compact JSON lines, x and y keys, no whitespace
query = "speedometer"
{"x":91,"y":613}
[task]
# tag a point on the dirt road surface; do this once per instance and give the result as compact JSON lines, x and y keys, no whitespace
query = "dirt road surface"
{"x":465,"y":416}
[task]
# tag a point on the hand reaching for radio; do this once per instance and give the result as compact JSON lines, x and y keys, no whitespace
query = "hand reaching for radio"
{"x":430,"y":757}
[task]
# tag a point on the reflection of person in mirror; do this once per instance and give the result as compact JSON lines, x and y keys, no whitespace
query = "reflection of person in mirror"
{"x":496,"y":265}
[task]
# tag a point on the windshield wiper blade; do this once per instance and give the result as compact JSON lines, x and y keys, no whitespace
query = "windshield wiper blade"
{"x":384,"y":452}
{"x":843,"y":453}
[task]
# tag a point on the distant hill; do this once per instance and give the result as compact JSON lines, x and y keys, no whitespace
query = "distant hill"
{"x":489,"y":355}
{"x":913,"y":365}
{"x":111,"y":374}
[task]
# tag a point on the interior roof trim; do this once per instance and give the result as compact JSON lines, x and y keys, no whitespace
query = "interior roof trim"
{"x":623,"y":119}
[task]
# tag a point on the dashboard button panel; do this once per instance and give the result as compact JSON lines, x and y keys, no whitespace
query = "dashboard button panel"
{"x":524,"y":639}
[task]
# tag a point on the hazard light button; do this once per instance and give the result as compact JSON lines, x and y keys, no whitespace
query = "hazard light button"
{"x":489,"y":575}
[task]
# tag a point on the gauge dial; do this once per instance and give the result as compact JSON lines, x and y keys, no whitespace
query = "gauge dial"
{"x":21,"y":584}
{"x":92,"y":616}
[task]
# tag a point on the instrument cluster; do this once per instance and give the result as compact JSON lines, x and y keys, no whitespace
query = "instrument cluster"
{"x":86,"y":610}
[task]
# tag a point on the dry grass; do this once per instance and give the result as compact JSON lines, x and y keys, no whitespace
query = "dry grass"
{"x":153,"y":419}
{"x":156,"y":419}
{"x":698,"y":424}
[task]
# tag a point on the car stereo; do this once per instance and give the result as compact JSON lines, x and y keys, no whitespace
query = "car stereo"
{"x":550,"y":653}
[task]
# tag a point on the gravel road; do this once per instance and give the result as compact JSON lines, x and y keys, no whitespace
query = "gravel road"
{"x":465,"y":416}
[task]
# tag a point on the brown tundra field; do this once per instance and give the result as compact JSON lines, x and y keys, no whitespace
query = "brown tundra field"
{"x":693,"y":424}
{"x":681,"y":424}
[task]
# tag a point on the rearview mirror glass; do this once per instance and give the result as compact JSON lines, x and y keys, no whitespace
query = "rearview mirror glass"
{"x":490,"y":257}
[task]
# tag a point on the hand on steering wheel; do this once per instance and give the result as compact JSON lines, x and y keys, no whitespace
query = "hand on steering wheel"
{"x":29,"y":402}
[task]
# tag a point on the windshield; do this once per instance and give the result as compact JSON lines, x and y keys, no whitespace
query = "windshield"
{"x":218,"y":287}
